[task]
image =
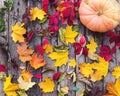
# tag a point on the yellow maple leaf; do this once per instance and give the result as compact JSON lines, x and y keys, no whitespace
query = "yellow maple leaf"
{"x":92,"y":46}
{"x":37,"y":61}
{"x":67,"y":35}
{"x":47,"y":85}
{"x":26,"y":75}
{"x":60,"y":57}
{"x":116,"y":72}
{"x":101,"y":69}
{"x":37,"y":13}
{"x":70,"y":35}
{"x":18,"y":32}
{"x":86,"y":69}
{"x":113,"y":88}
{"x":10,"y":88}
{"x":48,"y":48}
{"x":24,"y":52}
{"x":72,"y":63}
{"x":25,"y":85}
{"x":96,"y":70}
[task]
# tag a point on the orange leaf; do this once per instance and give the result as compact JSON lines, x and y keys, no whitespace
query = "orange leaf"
{"x":47,"y":85}
{"x":37,"y":61}
{"x":26,"y":75}
{"x":113,"y":88}
{"x":24,"y":52}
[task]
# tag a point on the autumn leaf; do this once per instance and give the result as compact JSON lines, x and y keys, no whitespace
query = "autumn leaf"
{"x":37,"y":13}
{"x":64,"y":89}
{"x":37,"y":61}
{"x":101,"y":69}
{"x":116,"y":72}
{"x":2,"y":68}
{"x":72,"y":63}
{"x":96,"y":70}
{"x":10,"y":88}
{"x":18,"y":32}
{"x":60,"y":57}
{"x":25,"y":85}
{"x":24,"y":52}
{"x":86,"y":69}
{"x":67,"y":35}
{"x":48,"y":48}
{"x":113,"y":88}
{"x":92,"y":46}
{"x":44,"y":85}
{"x":26,"y":75}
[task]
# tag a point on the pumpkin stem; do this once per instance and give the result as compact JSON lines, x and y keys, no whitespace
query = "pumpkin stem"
{"x":100,"y":12}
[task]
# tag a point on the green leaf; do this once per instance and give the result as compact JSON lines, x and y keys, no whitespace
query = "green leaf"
{"x":43,"y":20}
{"x":61,"y":48}
{"x":2,"y":25}
{"x":9,"y":5}
{"x":61,"y":34}
{"x":76,"y":28}
{"x":62,"y":76}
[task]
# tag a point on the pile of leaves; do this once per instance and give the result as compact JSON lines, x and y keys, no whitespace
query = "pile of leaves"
{"x":63,"y":23}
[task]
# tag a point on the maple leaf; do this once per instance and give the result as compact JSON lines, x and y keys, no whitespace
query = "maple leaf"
{"x":96,"y":70}
{"x":67,"y":35}
{"x":86,"y":69}
{"x":101,"y":69}
{"x":92,"y":46}
{"x":60,"y":57}
{"x":24,"y":52}
{"x":37,"y":13}
{"x":48,"y":48}
{"x":10,"y":88}
{"x":113,"y":88}
{"x":116,"y":72}
{"x":44,"y":85}
{"x":25,"y":85}
{"x":18,"y":32}
{"x":26,"y":75}
{"x":37,"y":61}
{"x":72,"y":63}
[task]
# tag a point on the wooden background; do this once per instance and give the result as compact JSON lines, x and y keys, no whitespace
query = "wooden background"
{"x":16,"y":15}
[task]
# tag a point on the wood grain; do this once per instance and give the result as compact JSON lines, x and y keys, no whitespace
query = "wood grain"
{"x":16,"y":16}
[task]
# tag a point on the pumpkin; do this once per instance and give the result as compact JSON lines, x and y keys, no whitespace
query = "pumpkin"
{"x":99,"y":15}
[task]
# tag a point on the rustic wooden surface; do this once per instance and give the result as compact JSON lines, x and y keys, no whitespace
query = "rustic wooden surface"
{"x":16,"y":15}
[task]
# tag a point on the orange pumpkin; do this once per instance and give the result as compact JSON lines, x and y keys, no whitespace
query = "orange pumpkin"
{"x":99,"y":15}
